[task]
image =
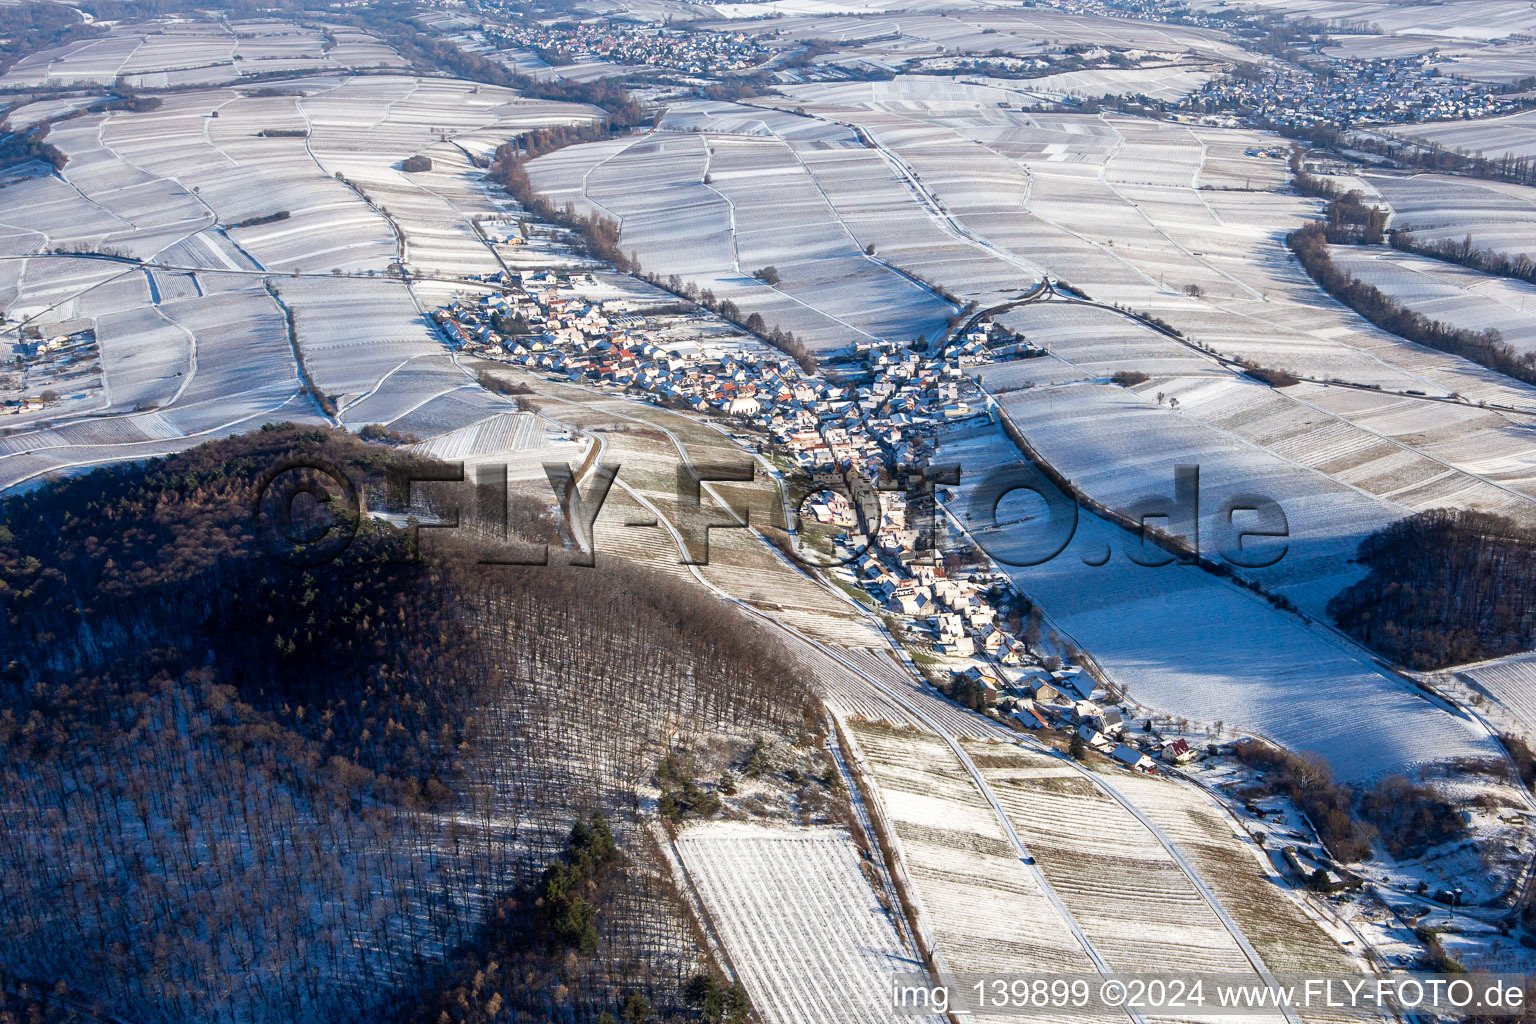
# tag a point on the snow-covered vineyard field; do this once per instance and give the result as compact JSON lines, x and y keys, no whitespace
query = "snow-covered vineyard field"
{"x":1496,"y":215}
{"x":1122,"y":446}
{"x":183,"y":53}
{"x":1095,"y":342}
{"x":1456,"y":295}
{"x":1121,"y":886}
{"x":1288,"y":938}
{"x":255,"y":206}
{"x":1133,"y":887}
{"x":1135,"y":884}
{"x":716,"y":209}
{"x":518,"y":431}
{"x":799,"y":921}
{"x":984,"y":911}
{"x":1402,"y":459}
{"x":1477,"y":441}
{"x":1512,"y":682}
{"x":1512,"y":135}
{"x":1185,"y":642}
{"x":878,"y":664}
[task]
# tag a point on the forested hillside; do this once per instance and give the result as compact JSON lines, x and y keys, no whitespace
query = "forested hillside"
{"x":231,"y":789}
{"x":1445,"y":587}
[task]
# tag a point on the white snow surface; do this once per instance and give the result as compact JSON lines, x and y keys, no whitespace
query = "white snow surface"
{"x":798,"y":920}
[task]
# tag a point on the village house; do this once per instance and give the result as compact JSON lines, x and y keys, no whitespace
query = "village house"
{"x":1108,"y":721}
{"x":1094,"y":738}
{"x":1133,"y":758}
{"x":1177,"y":751}
{"x":1026,"y":714}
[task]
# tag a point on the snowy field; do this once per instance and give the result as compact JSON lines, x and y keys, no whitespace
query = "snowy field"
{"x":1172,"y":883}
{"x":217,"y":219}
{"x":1182,"y":641}
{"x":1435,"y":207}
{"x":799,"y":921}
{"x":1493,"y":137}
{"x":716,"y":208}
{"x":645,"y":443}
{"x":1512,"y":682}
{"x":1337,"y":483}
{"x":1458,"y":296}
{"x":1128,"y":891}
{"x":1241,"y":876}
{"x":1426,"y":455}
{"x":1495,"y":447}
{"x":1097,"y":341}
{"x":984,"y":911}
{"x":1121,"y":447}
{"x":176,"y":52}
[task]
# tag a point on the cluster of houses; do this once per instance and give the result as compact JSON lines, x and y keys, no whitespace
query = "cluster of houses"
{"x":542,"y":321}
{"x":1385,"y":90}
{"x":1038,"y":698}
{"x":1061,"y":700}
{"x":1039,"y":65}
{"x":885,"y":420}
{"x":963,"y":622}
{"x":879,"y":419}
{"x":634,"y":45}
{"x":42,"y":363}
{"x":1337,"y":92}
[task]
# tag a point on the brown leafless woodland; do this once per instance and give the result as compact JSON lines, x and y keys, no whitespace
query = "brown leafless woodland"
{"x":231,"y":790}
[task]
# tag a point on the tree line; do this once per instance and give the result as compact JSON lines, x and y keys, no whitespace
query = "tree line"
{"x":1408,"y":817}
{"x":1519,"y":266}
{"x":1485,"y":347}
